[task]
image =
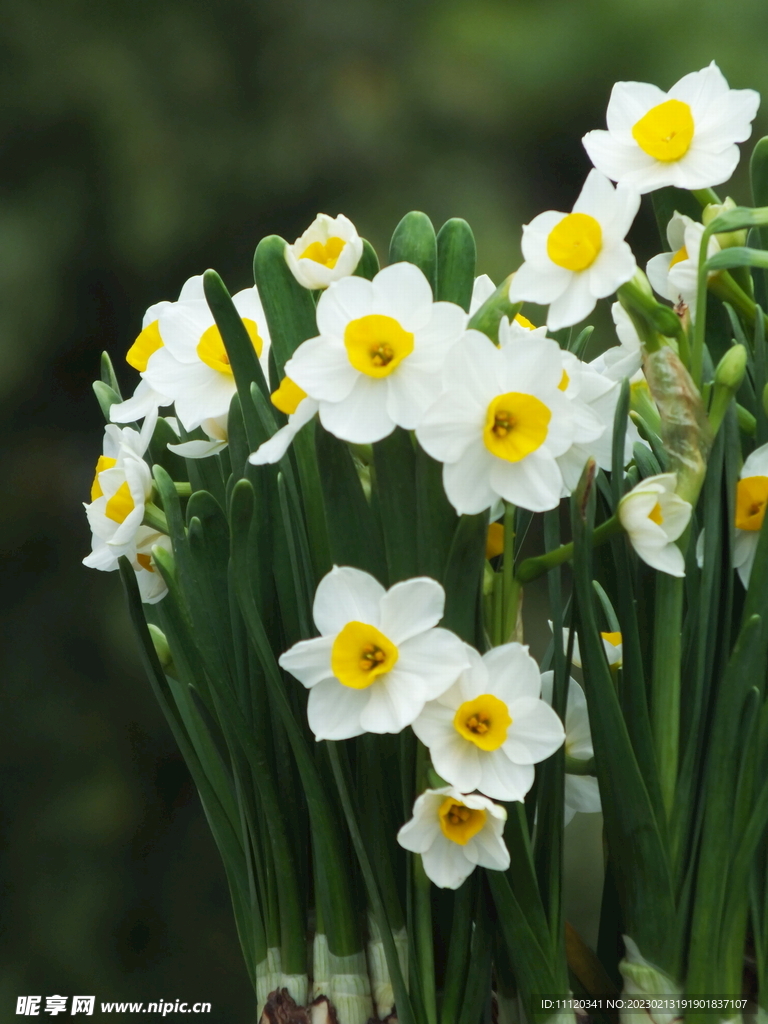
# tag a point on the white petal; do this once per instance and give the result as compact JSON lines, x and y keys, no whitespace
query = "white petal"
{"x":346,"y":595}
{"x":309,"y":660}
{"x":628,"y":103}
{"x":467,"y":481}
{"x":393,"y":703}
{"x":344,"y":300}
{"x":657,"y":270}
{"x":450,"y":425}
{"x":321,"y":367}
{"x":541,"y":284}
{"x":490,"y":851}
{"x":502,"y":779}
{"x":534,"y":483}
{"x":197,"y":449}
{"x":403,"y":292}
{"x":446,"y":865}
{"x":535,"y":733}
{"x":582,"y":793}
{"x":611,"y":269}
{"x":362,"y":416}
{"x":512,"y":673}
{"x":411,"y":607}
{"x":333,"y":710}
{"x":458,"y":761}
{"x":573,"y":304}
{"x":435,"y":724}
{"x":410,"y":393}
{"x":756,"y":463}
{"x":619,"y":160}
{"x":436,"y":657}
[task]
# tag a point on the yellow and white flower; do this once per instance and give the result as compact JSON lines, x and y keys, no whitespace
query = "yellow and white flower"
{"x":121,"y":486}
{"x":582,"y":792}
{"x":377,"y":360}
{"x":186,"y":362}
{"x":751,"y":502}
{"x":654,"y":517}
{"x":500,"y":425}
{"x":574,"y":259}
{"x":674,"y":274}
{"x":328,"y":250}
{"x":218,"y":439}
{"x":455,"y":833}
{"x":685,"y":137}
{"x":152,"y":586}
{"x":299,"y":408}
{"x":489,"y":729}
{"x":380,"y":656}
{"x":612,"y":645}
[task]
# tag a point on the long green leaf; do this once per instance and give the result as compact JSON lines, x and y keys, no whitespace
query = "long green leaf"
{"x":288,"y":306}
{"x":414,"y":241}
{"x":456,"y":259}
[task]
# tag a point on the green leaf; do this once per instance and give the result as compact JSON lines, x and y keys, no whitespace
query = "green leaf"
{"x":666,"y":201}
{"x":737,"y":256}
{"x":414,"y":242}
{"x":394,"y":463}
{"x":456,"y":259}
{"x":368,"y":267}
{"x":496,"y":306}
{"x":288,"y":306}
{"x":106,"y":397}
{"x":109,"y":376}
{"x":436,"y":519}
{"x":463,"y":578}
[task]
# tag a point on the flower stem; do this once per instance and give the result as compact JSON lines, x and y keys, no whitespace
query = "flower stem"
{"x":155,"y":517}
{"x":423,"y":941}
{"x":705,"y":196}
{"x":511,"y":590}
{"x":532,"y":568}
{"x":665,"y":684}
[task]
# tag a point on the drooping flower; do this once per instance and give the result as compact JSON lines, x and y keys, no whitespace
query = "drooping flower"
{"x":500,"y":425}
{"x":674,"y":274}
{"x":328,"y":250}
{"x":455,"y":833}
{"x":751,"y":502}
{"x":189,"y":365}
{"x":685,"y":137}
{"x":574,"y":259}
{"x":489,"y":729}
{"x":654,"y":517}
{"x":582,"y":792}
{"x":380,"y":656}
{"x":377,"y":360}
{"x":294,"y":402}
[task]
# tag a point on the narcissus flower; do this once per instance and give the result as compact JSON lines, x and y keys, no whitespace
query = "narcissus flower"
{"x":574,"y":259}
{"x":328,"y":250}
{"x":685,"y":137}
{"x":582,"y":792}
{"x":612,"y":645}
{"x":294,"y":402}
{"x":654,"y":517}
{"x":674,"y":274}
{"x":500,"y":424}
{"x":377,"y":361}
{"x":455,"y":833}
{"x":121,"y":486}
{"x":491,"y":727}
{"x":751,"y":502}
{"x":184,"y":357}
{"x":380,"y":656}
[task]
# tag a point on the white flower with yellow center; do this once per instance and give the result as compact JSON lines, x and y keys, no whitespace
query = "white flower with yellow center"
{"x":121,"y":486}
{"x":299,"y":408}
{"x":186,"y":361}
{"x":455,"y":833}
{"x":685,"y":137}
{"x":582,"y":792}
{"x":328,"y":250}
{"x":380,"y":656}
{"x":491,"y":727}
{"x":377,"y":361}
{"x":654,"y":517}
{"x":574,"y":259}
{"x":152,"y":586}
{"x":751,"y":503}
{"x":674,"y":274}
{"x":500,"y":425}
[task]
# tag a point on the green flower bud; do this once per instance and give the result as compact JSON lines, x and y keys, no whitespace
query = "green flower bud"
{"x":162,"y":649}
{"x":731,"y":368}
{"x":727,"y":239}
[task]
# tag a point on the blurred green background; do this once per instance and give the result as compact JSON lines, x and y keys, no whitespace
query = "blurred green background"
{"x":141,"y":143}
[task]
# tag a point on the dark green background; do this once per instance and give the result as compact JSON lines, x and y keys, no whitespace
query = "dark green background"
{"x":142,"y":142}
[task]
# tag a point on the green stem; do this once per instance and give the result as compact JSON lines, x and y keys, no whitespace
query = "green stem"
{"x":705,"y":196}
{"x":579,"y":766}
{"x":665,"y":684}
{"x":183,"y":489}
{"x":532,"y":568}
{"x":155,"y":517}
{"x":510,"y":593}
{"x":423,"y":941}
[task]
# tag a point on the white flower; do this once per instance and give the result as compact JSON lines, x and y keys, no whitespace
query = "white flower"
{"x":482,"y":290}
{"x":328,"y":250}
{"x":190,"y":367}
{"x":582,"y":792}
{"x":685,"y":137}
{"x":500,"y":425}
{"x":674,"y":275}
{"x":654,"y":517}
{"x":152,"y":586}
{"x":218,"y":439}
{"x":293,"y":401}
{"x":377,"y":360}
{"x":626,"y":358}
{"x":751,"y":501}
{"x":380,"y":656}
{"x":121,"y":486}
{"x":491,"y":727}
{"x":454,"y":834}
{"x":574,"y":259}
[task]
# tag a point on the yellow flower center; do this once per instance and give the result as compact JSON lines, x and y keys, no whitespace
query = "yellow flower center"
{"x":376,"y":345}
{"x":516,"y":424}
{"x":524,"y":322}
{"x":211,"y":347}
{"x":145,"y":561}
{"x":361,"y":653}
{"x":483,"y":721}
{"x":121,"y":504}
{"x":104,"y":463}
{"x":751,"y":500}
{"x":680,"y":255}
{"x":148,"y":341}
{"x":494,"y":540}
{"x":614,"y":639}
{"x":288,"y":396}
{"x":666,"y":131}
{"x":327,"y":253}
{"x":575,"y":242}
{"x":655,"y":514}
{"x":459,"y":822}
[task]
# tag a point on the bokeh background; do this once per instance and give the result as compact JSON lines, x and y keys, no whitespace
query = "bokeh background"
{"x":141,"y":142}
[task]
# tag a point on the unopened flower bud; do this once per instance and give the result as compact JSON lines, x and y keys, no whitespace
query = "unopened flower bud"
{"x":731,"y":368}
{"x":727,"y":239}
{"x":162,"y":649}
